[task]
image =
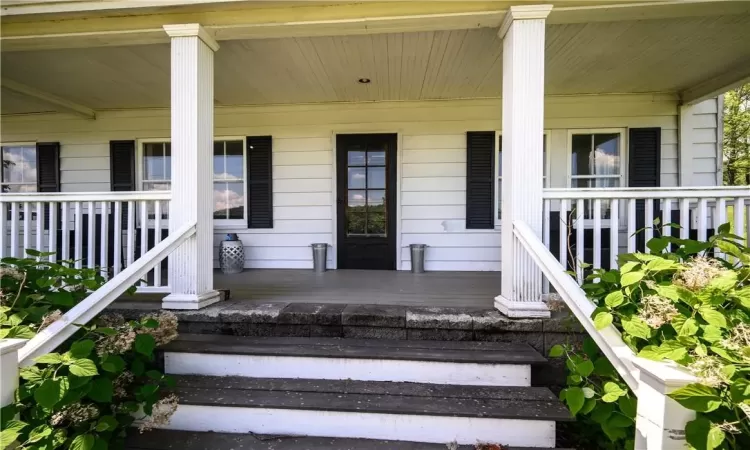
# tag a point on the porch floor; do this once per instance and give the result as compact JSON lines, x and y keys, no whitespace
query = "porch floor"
{"x":373,"y":287}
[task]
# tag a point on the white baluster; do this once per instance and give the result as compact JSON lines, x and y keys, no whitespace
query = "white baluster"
{"x":685,"y":218}
{"x":52,"y":237}
{"x":131,"y":233}
{"x":649,"y":214}
{"x":3,"y":228}
{"x":614,"y":232}
{"x":739,"y":206}
{"x":597,"y":233}
{"x":144,"y":230}
{"x":65,"y":222}
{"x":157,"y":240}
{"x":78,"y":236}
{"x":546,"y":207}
{"x":631,"y":225}
{"x":39,"y":227}
{"x":26,"y":228}
{"x":117,"y":244}
{"x":92,"y":236}
{"x":14,"y":229}
{"x":702,"y":219}
{"x":564,"y":233}
{"x":666,"y":218}
{"x":579,"y":240}
{"x":720,"y":215}
{"x":104,"y":241}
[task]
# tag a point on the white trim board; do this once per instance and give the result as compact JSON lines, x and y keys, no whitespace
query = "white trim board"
{"x":402,"y":427}
{"x":262,"y":366}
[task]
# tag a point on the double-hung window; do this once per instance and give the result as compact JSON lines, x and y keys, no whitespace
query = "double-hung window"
{"x":19,"y":172}
{"x":596,"y":161}
{"x":228,"y":174}
{"x":499,"y":165}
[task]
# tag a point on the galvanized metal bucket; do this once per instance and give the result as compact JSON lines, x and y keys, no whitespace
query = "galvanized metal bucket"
{"x":417,"y":257}
{"x":320,"y":256}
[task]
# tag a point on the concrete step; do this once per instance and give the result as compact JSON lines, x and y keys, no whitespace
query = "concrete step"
{"x":418,"y":412}
{"x":187,"y":440}
{"x":457,"y":363}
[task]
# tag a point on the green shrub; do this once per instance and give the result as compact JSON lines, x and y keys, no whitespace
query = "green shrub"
{"x":86,"y":395}
{"x":688,"y":302}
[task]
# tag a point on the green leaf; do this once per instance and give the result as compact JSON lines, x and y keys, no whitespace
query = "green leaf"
{"x":740,"y":390}
{"x":603,"y":368}
{"x":106,"y":423}
{"x":601,"y":413}
{"x":137,"y":367}
{"x":81,"y":349}
{"x":635,"y":326}
{"x":48,"y":393}
{"x":660,"y":264}
{"x":588,"y":392}
{"x":556,"y":351}
{"x":689,"y":328}
{"x":631,"y":278}
{"x":101,"y":390}
{"x":100,"y":444}
{"x":83,"y":368}
{"x":590,"y":348}
{"x":49,"y":358}
{"x":697,"y":434}
{"x":113,"y":363}
{"x":712,"y":334}
{"x":628,"y":267}
{"x":145,"y":344}
{"x":697,"y":397}
{"x":602,"y":320}
{"x":40,"y":432}
{"x":614,"y":388}
{"x":628,"y":406}
{"x":724,"y":282}
{"x":651,"y":352}
{"x":712,"y":316}
{"x":154,"y":375}
{"x":657,"y":245}
{"x":585,"y":368}
{"x":10,"y":432}
{"x":82,"y":442}
{"x":609,"y":398}
{"x":150,"y":323}
{"x":614,"y":299}
{"x":574,"y":398}
{"x":588,"y":405}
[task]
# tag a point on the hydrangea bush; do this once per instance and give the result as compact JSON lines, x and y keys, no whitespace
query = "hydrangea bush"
{"x":685,"y":301}
{"x":100,"y":383}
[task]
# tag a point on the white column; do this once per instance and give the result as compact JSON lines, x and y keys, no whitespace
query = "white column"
{"x":523,"y":129}
{"x":660,"y":422}
{"x":191,"y":265}
{"x":9,"y":369}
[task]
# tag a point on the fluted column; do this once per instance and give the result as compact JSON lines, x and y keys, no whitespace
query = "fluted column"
{"x":192,"y":111}
{"x":522,"y":133}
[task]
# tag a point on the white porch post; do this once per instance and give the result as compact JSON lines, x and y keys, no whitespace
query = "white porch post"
{"x":191,"y":265}
{"x":523,"y":130}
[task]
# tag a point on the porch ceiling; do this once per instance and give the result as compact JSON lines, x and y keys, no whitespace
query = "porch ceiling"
{"x":663,"y":55}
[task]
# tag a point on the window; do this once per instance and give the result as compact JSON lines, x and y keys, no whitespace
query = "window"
{"x":596,"y":161}
{"x":499,"y":165}
{"x":19,"y":172}
{"x":229,"y":179}
{"x":157,"y":166}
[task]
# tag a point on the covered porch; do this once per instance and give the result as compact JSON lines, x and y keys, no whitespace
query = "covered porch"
{"x":528,"y":78}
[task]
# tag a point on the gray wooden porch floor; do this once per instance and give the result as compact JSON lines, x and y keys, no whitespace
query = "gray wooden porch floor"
{"x":380,"y":287}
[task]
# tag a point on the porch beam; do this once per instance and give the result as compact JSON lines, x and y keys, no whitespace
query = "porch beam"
{"x":523,"y":34}
{"x":717,"y":85}
{"x":61,"y":104}
{"x":191,"y":275}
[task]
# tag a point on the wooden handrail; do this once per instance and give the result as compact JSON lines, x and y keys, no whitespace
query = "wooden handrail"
{"x":709,"y":192}
{"x":46,"y":197}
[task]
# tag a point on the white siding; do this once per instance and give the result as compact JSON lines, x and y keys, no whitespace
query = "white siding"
{"x":706,"y":142}
{"x":432,"y":163}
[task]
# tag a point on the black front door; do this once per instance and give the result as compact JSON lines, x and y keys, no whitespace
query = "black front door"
{"x":366,"y":190}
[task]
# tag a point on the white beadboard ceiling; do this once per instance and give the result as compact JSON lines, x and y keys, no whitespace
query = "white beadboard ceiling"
{"x":604,"y":57}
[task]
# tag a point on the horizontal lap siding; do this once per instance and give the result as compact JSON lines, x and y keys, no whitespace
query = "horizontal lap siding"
{"x":705,"y":142}
{"x":432,"y":163}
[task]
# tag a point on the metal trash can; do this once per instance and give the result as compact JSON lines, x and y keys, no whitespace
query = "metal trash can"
{"x":319,"y":257}
{"x":231,"y":255}
{"x":417,"y":257}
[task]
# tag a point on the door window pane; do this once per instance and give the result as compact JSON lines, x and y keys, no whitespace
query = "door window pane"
{"x":376,"y":177}
{"x":375,"y":198}
{"x":357,"y":178}
{"x":376,"y":158}
{"x":356,"y":158}
{"x":19,"y":168}
{"x":357,"y":198}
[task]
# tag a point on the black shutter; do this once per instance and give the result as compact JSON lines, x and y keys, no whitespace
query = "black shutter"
{"x":259,"y":182}
{"x":48,"y":171}
{"x":480,"y":180}
{"x":122,"y":165}
{"x":644,"y":170}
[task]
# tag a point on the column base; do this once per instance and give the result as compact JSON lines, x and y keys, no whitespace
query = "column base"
{"x":522,"y":310}
{"x":190,"y":301}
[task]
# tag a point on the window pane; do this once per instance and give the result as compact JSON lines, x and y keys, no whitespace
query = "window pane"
{"x":18,"y":188}
{"x":219,"y":168}
{"x":19,"y":164}
{"x":153,"y":162}
{"x":595,"y":182}
{"x":234,"y":162}
{"x":376,"y":222}
{"x":357,"y":178}
{"x":356,"y":158}
{"x":157,"y":186}
{"x":357,"y":198}
{"x":606,"y":154}
{"x":229,"y":200}
{"x":376,"y":158}
{"x":581,"y":156}
{"x":355,"y":222}
{"x":375,"y":198}
{"x":499,"y":198}
{"x":376,"y":177}
{"x":167,"y":161}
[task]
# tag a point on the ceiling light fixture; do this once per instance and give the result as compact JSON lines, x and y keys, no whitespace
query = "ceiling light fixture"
{"x":364,"y":81}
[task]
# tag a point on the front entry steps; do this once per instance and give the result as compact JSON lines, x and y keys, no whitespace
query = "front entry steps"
{"x":188,"y":440}
{"x":357,"y":393}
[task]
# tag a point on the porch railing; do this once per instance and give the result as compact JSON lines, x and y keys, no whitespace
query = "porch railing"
{"x":593,"y":226}
{"x":107,"y":230}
